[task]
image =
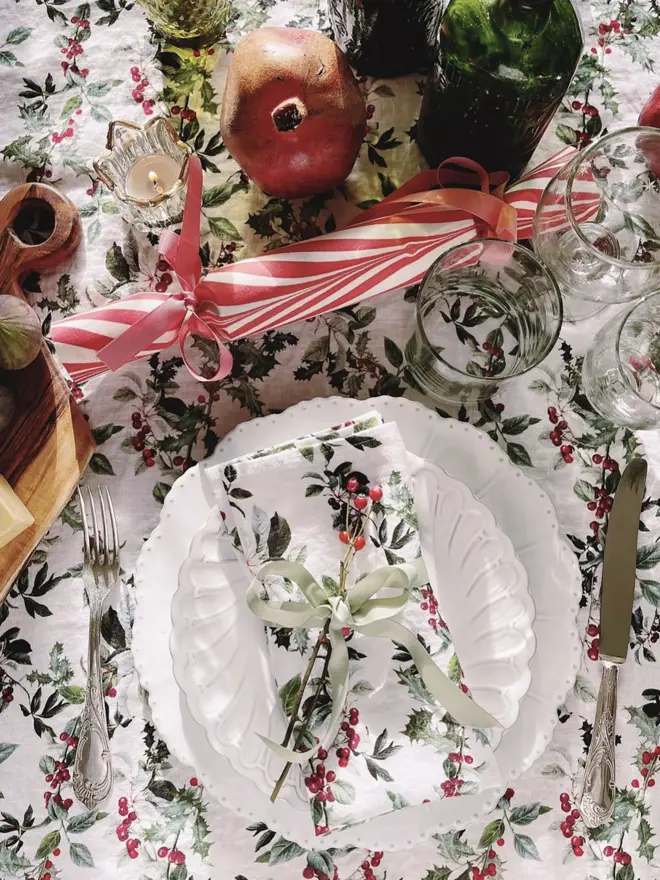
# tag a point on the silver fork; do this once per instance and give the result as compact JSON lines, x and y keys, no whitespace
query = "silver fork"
{"x":92,"y":771}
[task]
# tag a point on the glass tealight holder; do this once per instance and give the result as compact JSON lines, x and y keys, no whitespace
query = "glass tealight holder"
{"x":146,"y":169}
{"x":190,"y":23}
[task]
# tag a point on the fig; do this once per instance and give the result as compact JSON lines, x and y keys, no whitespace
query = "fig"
{"x":20,"y":333}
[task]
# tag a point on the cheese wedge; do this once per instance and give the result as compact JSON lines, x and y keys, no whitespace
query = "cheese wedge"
{"x":14,"y":515}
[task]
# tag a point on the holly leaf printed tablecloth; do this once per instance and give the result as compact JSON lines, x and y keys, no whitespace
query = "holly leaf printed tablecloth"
{"x":67,"y":69}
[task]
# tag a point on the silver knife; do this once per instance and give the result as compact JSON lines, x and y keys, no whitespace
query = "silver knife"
{"x":617,"y":593}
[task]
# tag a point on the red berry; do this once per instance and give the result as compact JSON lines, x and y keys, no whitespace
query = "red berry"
{"x":645,"y":771}
{"x":569,"y":459}
{"x":578,"y":851}
{"x":133,"y":854}
{"x":575,"y":814}
{"x":625,"y":858}
{"x":343,"y":762}
{"x":160,"y":287}
{"x":352,"y":484}
{"x":635,"y":783}
{"x":359,"y":542}
{"x":322,"y":754}
{"x":509,"y":793}
{"x":197,"y":53}
{"x":566,"y":807}
{"x":162,"y":852}
{"x":360,"y":502}
{"x":375,"y":493}
{"x":592,"y":653}
{"x":500,"y":841}
{"x":308,"y":872}
{"x":176,"y":110}
{"x":122,"y":802}
{"x":45,"y":876}
{"x":608,"y":851}
{"x":172,"y":856}
{"x":132,"y":816}
{"x":56,"y":852}
{"x":651,"y":783}
{"x":491,"y":870}
{"x":491,"y":854}
{"x":48,"y":864}
{"x":194,"y":781}
{"x":330,"y":776}
{"x":344,"y":537}
{"x":596,"y":458}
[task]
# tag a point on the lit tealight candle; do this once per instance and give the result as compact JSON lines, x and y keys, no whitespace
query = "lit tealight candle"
{"x":151,"y":176}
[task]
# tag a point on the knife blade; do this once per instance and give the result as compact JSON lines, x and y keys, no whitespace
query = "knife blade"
{"x":617,"y":594}
{"x":619,"y":563}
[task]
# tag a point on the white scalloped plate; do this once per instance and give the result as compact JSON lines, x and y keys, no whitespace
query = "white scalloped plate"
{"x":463,"y":452}
{"x":221,"y":659}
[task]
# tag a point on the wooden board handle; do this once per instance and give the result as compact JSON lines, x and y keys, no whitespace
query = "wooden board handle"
{"x":18,"y":258}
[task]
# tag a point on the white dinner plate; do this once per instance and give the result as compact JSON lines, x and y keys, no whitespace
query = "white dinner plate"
{"x":221,"y":658}
{"x":521,"y":509}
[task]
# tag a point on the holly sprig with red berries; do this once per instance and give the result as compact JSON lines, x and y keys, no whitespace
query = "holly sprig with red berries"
{"x":357,"y":499}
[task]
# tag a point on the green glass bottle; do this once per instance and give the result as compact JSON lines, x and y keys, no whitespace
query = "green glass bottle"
{"x":501,"y":69}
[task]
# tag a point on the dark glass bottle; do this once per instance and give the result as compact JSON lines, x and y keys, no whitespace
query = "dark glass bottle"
{"x":501,"y":69}
{"x":385,"y":37}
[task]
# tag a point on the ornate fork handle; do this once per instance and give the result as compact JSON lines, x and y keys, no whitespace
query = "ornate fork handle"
{"x":598,"y":789}
{"x":91,"y":787}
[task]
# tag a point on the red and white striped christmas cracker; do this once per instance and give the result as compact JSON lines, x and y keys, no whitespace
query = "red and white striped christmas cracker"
{"x":387,"y":248}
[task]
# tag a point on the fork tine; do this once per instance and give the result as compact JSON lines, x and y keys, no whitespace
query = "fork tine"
{"x":113,"y":524}
{"x":105,"y":559}
{"x":83,"y":516}
{"x":95,"y":526}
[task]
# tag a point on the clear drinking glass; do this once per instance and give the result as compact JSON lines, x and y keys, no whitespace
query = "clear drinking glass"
{"x":189,"y":23}
{"x":487,"y":311}
{"x":597,"y":227}
{"x":621,"y":370}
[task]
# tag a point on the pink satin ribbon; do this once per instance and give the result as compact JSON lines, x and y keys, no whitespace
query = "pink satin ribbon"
{"x":187,"y":310}
{"x":484,"y":204}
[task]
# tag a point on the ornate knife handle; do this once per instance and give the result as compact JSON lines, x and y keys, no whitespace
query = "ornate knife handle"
{"x":92,"y":771}
{"x":598,"y":789}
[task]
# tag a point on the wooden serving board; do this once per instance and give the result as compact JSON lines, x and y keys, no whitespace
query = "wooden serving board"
{"x":47,"y":446}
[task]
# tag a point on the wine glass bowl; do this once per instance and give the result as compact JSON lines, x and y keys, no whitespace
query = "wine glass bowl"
{"x":621,"y":370}
{"x":597,"y":227}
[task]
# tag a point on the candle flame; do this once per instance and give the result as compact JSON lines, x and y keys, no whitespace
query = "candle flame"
{"x":158,"y":186}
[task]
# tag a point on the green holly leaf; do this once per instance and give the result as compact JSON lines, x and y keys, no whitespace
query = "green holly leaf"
{"x":344,"y":792}
{"x":525,"y":847}
{"x":100,"y":464}
{"x":224,"y":229}
{"x":283,"y":851}
{"x":18,"y":35}
{"x":518,"y":454}
{"x":398,"y":800}
{"x":82,"y":822}
{"x":289,"y":694}
{"x":526,"y":814}
{"x":7,"y":749}
{"x":492,"y":832}
{"x":48,"y":843}
{"x":104,"y":432}
{"x":279,"y":536}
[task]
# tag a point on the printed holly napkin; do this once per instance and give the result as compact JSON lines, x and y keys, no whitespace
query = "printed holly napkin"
{"x":396,"y":747}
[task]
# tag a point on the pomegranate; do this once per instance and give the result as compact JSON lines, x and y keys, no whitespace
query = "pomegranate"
{"x":650,"y":113}
{"x":293,"y":116}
